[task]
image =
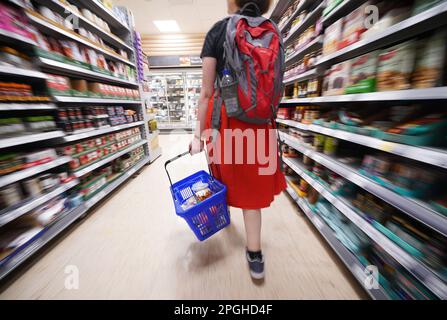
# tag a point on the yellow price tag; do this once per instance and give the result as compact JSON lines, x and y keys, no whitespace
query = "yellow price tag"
{"x":387,"y":147}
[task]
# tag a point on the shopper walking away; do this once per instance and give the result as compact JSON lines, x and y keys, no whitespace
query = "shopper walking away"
{"x":240,"y":95}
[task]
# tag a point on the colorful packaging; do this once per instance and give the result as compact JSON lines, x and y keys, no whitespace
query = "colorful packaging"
{"x":396,"y":66}
{"x":338,"y":79}
{"x":354,"y":26}
{"x":363,"y":74}
{"x":332,"y":37}
{"x":430,"y":62}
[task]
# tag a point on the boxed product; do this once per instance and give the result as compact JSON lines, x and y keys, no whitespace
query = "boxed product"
{"x":430,"y":61}
{"x":363,"y":74}
{"x":338,"y":79}
{"x":330,"y":6}
{"x":354,"y":26}
{"x":58,"y":85}
{"x":332,"y":37}
{"x":396,"y":64}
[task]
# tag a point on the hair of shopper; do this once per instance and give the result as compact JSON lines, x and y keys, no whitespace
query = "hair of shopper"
{"x":263,"y":5}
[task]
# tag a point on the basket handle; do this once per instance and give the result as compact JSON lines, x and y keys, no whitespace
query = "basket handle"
{"x":172,"y":160}
{"x":178,"y":157}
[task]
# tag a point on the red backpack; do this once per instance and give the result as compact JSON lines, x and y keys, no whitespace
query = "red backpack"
{"x":254,"y":58}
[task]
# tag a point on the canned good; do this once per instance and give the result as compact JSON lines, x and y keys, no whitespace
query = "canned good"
{"x":32,"y":187}
{"x":10,"y":195}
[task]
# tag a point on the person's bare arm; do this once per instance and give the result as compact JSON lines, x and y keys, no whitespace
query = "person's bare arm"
{"x":208,"y":79}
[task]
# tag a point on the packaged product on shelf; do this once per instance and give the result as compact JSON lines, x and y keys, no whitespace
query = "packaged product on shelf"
{"x":32,"y":187}
{"x":14,"y":20}
{"x":353,"y":26}
{"x":79,"y":88}
{"x":58,"y":85}
{"x":332,"y":37}
{"x":40,"y":124}
{"x":11,"y":91}
{"x":71,"y":50}
{"x":10,"y":196}
{"x":430,"y":61}
{"x":396,"y":64}
{"x":10,"y":162}
{"x":13,"y":58}
{"x":338,"y":79}
{"x":11,"y":126}
{"x":363,"y":74}
{"x":330,"y":146}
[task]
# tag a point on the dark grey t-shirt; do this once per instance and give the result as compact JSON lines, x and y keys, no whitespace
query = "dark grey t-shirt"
{"x":215,"y":38}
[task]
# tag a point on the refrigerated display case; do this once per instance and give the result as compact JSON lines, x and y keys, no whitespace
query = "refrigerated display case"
{"x":174,"y":96}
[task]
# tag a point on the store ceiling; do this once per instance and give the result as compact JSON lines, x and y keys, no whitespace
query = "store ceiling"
{"x":193,"y":16}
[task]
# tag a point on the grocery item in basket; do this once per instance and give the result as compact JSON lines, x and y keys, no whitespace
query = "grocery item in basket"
{"x":332,"y":37}
{"x":430,"y":61}
{"x":201,"y":191}
{"x":189,"y":203}
{"x":338,"y":79}
{"x":354,"y":26}
{"x":396,"y":64}
{"x":363,"y":74}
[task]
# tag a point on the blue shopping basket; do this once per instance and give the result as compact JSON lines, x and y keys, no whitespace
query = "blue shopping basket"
{"x":207,"y":217}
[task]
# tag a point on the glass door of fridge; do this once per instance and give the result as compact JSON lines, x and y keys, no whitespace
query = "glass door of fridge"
{"x":193,"y":87}
{"x":158,"y":99}
{"x":175,"y":93}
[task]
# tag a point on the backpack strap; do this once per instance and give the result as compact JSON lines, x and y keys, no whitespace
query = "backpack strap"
{"x":216,"y":113}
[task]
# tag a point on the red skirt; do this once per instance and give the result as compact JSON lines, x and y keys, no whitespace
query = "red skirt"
{"x":252,"y":180}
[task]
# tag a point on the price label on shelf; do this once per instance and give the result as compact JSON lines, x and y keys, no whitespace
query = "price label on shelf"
{"x":317,"y":223}
{"x":387,"y":147}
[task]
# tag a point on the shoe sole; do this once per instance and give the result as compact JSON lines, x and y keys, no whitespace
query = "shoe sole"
{"x":257,"y":276}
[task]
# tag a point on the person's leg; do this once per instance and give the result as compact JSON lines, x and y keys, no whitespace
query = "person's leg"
{"x":253,"y":223}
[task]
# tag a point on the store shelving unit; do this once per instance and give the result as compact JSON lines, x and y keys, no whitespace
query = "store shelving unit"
{"x":413,"y":208}
{"x":418,"y":269}
{"x":26,"y":173}
{"x":311,"y":46}
{"x":99,"y":132}
{"x":108,"y":159}
{"x":120,"y":37}
{"x":311,"y":18}
{"x":432,"y":156}
{"x":29,"y":138}
{"x":295,"y":14}
{"x":106,"y":14}
{"x":303,"y":76}
{"x":109,"y":37}
{"x":439,"y":93}
{"x":69,"y":99}
{"x":418,"y":210}
{"x":19,"y":72}
{"x":346,"y":256}
{"x":59,"y":31}
{"x":409,"y":28}
{"x":117,"y":183}
{"x":26,"y":206}
{"x":67,"y":220}
{"x":27,"y":107}
{"x":12,"y":38}
{"x":71,"y":70}
{"x":343,"y":9}
{"x":279,"y":9}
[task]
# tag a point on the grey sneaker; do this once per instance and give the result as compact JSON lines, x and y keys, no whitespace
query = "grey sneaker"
{"x":256,"y":265}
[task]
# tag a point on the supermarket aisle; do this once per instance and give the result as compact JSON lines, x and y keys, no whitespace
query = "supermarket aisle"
{"x":134,"y":247}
